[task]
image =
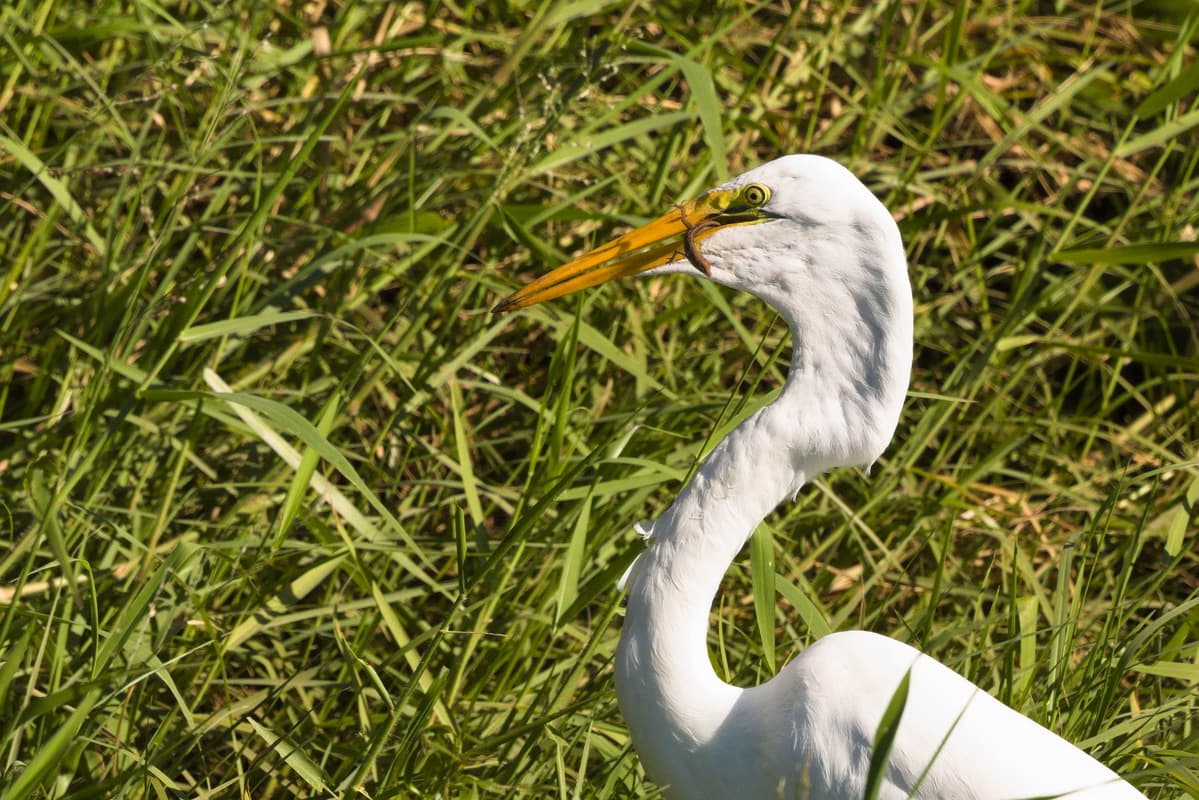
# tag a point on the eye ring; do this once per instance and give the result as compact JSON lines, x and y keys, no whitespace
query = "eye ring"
{"x":755,"y":195}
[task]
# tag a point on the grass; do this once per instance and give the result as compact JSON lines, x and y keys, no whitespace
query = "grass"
{"x":285,"y":512}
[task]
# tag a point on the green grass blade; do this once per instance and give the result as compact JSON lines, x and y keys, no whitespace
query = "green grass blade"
{"x":281,"y":603}
{"x":301,"y":482}
{"x":812,"y":615}
{"x":57,"y":189}
{"x":573,"y":561}
{"x":1176,"y":530}
{"x":1163,"y":134}
{"x":53,"y":751}
{"x":601,"y":141}
{"x":1174,"y":90}
{"x":761,"y":566}
{"x":884,"y":738}
{"x":1146,"y":253}
{"x":292,"y":755}
{"x":240,"y":326}
{"x":462,"y":446}
{"x":707,"y":106}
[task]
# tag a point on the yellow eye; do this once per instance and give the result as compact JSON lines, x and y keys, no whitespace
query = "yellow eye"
{"x":755,"y":195}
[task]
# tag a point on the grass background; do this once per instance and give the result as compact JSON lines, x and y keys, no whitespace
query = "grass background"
{"x":285,"y":512}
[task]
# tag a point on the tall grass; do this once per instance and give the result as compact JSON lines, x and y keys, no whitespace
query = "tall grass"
{"x":286,"y":512}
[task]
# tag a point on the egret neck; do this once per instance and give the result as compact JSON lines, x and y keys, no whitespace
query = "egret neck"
{"x":839,"y":406}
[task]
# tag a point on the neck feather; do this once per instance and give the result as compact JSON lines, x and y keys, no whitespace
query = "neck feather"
{"x":839,"y":407}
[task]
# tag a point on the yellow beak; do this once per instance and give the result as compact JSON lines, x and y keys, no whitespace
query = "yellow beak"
{"x":671,"y":237}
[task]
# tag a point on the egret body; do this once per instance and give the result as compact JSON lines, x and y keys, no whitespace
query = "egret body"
{"x":804,"y":235}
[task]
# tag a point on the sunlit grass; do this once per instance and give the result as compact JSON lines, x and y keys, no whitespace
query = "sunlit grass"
{"x":287,"y":513}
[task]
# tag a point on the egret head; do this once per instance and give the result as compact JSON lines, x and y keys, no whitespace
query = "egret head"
{"x":776,"y":231}
{"x":805,"y":235}
{"x":816,"y":239}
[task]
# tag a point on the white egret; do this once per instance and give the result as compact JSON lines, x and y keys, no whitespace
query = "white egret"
{"x":804,"y":235}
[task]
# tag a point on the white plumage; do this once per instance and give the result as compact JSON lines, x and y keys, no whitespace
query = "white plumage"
{"x":804,"y":235}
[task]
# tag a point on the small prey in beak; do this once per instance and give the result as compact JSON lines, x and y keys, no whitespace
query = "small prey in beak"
{"x":691,"y":246}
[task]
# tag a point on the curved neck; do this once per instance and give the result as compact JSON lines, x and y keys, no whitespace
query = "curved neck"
{"x":827,"y":415}
{"x":746,"y":476}
{"x":839,"y":407}
{"x":669,"y":693}
{"x":692,"y":544}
